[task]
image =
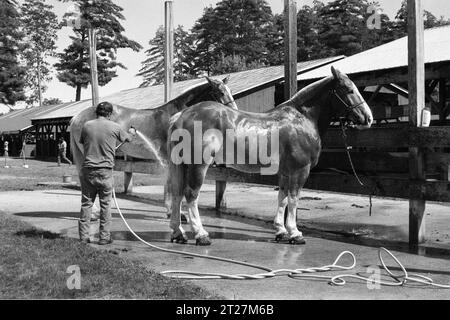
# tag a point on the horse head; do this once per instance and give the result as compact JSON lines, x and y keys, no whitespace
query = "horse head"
{"x":220,"y":92}
{"x":348,"y":103}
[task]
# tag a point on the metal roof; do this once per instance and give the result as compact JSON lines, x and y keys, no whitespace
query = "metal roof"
{"x":16,"y":121}
{"x":153,"y":96}
{"x":390,"y":55}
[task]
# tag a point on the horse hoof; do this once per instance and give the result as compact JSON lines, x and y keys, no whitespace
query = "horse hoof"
{"x":282,"y":237}
{"x":297,"y":240}
{"x":180,"y":239}
{"x":203,"y":241}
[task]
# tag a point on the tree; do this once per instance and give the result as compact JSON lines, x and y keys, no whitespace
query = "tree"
{"x":104,"y":16}
{"x":51,"y":102}
{"x":40,"y":25}
{"x":231,"y":64}
{"x":401,"y":21}
{"x":153,"y":66}
{"x":230,"y":29}
{"x":12,"y":75}
{"x":307,"y":35}
{"x":341,"y":23}
{"x":377,"y":36}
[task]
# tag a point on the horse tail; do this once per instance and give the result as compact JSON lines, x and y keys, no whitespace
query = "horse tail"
{"x":176,"y":171}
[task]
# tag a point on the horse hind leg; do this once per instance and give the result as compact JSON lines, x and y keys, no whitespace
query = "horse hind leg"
{"x":195,"y":178}
{"x":176,"y":185}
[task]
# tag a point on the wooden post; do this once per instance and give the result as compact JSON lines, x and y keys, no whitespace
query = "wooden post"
{"x":168,"y":62}
{"x":220,"y":195}
{"x":416,"y":106}
{"x":290,"y":52}
{"x":290,"y":48}
{"x":442,"y":101}
{"x":93,"y":64}
{"x":168,"y":54}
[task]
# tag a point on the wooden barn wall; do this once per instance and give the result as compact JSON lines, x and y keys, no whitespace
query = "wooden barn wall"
{"x":259,"y":101}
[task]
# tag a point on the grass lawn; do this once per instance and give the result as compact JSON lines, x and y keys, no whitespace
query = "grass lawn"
{"x":17,"y":178}
{"x":34,"y":264}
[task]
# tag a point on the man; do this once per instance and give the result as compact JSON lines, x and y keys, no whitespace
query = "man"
{"x":62,"y":151}
{"x":99,"y":138}
{"x":6,"y":149}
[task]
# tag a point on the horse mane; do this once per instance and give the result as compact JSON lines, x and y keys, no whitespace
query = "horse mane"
{"x":311,"y":91}
{"x":187,"y":97}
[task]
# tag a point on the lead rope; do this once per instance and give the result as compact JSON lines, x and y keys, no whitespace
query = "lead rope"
{"x":347,"y":150}
{"x":301,"y":273}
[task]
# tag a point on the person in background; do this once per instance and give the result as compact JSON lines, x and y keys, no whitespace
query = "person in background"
{"x":62,"y":151}
{"x":6,"y":149}
{"x":99,"y":138}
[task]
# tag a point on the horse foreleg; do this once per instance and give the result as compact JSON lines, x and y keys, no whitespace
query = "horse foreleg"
{"x":281,"y":232}
{"x":296,"y":182}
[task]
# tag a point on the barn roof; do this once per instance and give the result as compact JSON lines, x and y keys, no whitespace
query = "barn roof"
{"x":153,"y":96}
{"x":391,"y":55}
{"x":16,"y":121}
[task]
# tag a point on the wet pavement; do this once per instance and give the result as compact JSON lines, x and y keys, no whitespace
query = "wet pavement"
{"x":233,"y":237}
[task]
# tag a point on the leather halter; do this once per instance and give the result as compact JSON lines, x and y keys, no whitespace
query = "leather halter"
{"x":347,"y":106}
{"x":229,"y":102}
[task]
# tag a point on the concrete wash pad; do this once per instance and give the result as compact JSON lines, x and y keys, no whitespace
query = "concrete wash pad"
{"x":233,"y":237}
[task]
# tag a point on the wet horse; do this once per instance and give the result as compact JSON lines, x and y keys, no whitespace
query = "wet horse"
{"x":293,"y":132}
{"x":153,"y":124}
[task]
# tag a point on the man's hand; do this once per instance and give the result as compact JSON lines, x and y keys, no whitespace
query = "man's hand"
{"x":132,"y":131}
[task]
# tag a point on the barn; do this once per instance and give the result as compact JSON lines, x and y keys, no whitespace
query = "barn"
{"x":16,"y":127}
{"x":254,"y":90}
{"x":382,"y":73}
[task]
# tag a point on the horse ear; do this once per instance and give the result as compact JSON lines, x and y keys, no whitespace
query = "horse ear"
{"x":225,"y":81}
{"x":336,"y":73}
{"x":209,"y":80}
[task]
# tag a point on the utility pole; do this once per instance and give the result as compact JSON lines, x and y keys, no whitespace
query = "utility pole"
{"x":290,"y":48}
{"x":93,"y":64}
{"x":168,"y":52}
{"x":417,"y":112}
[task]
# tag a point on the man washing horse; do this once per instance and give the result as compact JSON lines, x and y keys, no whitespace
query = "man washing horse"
{"x":99,"y":138}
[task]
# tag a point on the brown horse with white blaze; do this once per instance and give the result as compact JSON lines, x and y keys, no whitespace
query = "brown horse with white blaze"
{"x":293,"y":132}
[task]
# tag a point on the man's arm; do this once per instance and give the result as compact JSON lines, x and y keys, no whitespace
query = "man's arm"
{"x":123,"y":136}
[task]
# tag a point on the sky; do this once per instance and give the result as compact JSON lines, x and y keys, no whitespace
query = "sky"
{"x":142,"y":20}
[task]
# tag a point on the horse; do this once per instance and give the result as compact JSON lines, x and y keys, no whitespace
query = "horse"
{"x":151,"y":124}
{"x":293,"y":131}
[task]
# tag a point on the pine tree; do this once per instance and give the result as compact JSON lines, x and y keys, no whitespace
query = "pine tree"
{"x":153,"y":66}
{"x":40,"y":25}
{"x":233,"y":28}
{"x":401,"y":21}
{"x":341,"y":26}
{"x":12,"y":75}
{"x":105,"y":17}
{"x":308,"y":23}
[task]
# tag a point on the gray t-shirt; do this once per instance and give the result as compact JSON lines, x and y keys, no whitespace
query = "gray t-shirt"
{"x":99,"y":138}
